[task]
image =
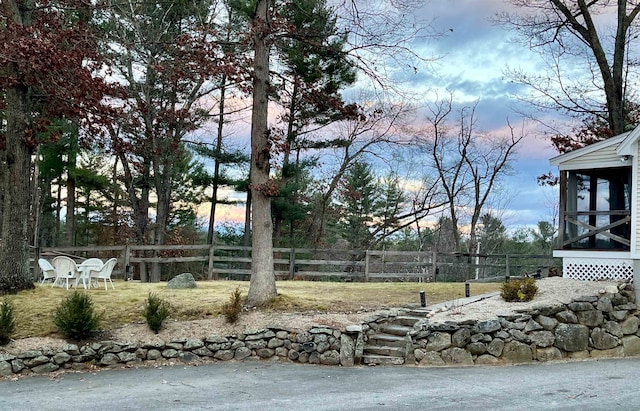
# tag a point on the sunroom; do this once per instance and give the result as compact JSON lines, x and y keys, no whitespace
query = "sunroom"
{"x":597,"y":236}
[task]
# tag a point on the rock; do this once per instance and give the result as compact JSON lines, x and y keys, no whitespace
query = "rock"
{"x":517,"y":352}
{"x":438,"y":341}
{"x":432,"y":358}
{"x":580,"y":306}
{"x":265,"y":352}
{"x":244,"y":352}
{"x":477,"y":348}
{"x":591,"y":318}
{"x":169,"y":353}
{"x":572,"y":337}
{"x":487,"y":359}
{"x":604,"y":304}
{"x":457,"y":356}
{"x":331,"y":357}
{"x":611,"y":353}
{"x":61,"y":358}
{"x":226,"y":355}
{"x":630,"y":325}
{"x":548,"y":354}
{"x":488,"y":326}
{"x":495,"y":347}
{"x":182,"y":281}
{"x":193,"y":344}
{"x":602,"y":340}
{"x":347,"y":350}
{"x":45,"y":368}
{"x":5,"y":368}
{"x":461,"y":338}
{"x":154,"y":354}
{"x":542,"y":338}
{"x":567,"y":317}
{"x":188,"y":356}
{"x":631,"y":344}
{"x":532,"y":326}
{"x":613,"y":328}
{"x":109,"y":359}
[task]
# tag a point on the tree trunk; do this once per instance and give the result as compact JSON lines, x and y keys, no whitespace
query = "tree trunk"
{"x":14,"y":250}
{"x":216,"y":167}
{"x":70,"y":222}
{"x":262,"y":287}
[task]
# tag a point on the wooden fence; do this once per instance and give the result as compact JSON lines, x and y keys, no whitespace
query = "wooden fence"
{"x":234,"y":262}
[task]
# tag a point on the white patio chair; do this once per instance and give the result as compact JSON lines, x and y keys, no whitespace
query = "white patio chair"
{"x":66,"y":269}
{"x":48,"y":272}
{"x":104,"y":273}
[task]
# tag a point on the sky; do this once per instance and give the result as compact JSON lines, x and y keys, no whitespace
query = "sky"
{"x":474,"y":52}
{"x":472,"y":56}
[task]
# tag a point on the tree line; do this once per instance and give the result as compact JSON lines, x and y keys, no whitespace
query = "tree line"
{"x":121,"y":118}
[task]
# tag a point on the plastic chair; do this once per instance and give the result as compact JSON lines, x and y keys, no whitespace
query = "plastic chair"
{"x":66,"y":269}
{"x":85,"y":268}
{"x":104,"y":273}
{"x":48,"y":272}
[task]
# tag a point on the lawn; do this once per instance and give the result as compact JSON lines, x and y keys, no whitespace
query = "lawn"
{"x":35,"y":309}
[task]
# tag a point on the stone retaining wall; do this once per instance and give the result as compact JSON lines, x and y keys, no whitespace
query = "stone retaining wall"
{"x":587,"y":327}
{"x":319,"y":345}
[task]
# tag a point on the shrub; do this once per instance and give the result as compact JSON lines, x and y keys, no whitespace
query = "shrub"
{"x":75,"y":316}
{"x":7,"y":322}
{"x":520,"y":290}
{"x":233,"y":307}
{"x":156,"y":310}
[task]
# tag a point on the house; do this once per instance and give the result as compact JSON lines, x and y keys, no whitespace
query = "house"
{"x":599,"y":233}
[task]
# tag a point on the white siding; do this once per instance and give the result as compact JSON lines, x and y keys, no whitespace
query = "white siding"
{"x":605,"y":157}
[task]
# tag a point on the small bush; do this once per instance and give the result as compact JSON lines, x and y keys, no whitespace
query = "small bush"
{"x":520,"y":290}
{"x":76,"y":318}
{"x":233,"y":307}
{"x":7,"y":322}
{"x":156,"y":310}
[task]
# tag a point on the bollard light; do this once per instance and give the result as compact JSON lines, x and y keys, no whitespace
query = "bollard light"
{"x":423,"y":299}
{"x":467,"y":292}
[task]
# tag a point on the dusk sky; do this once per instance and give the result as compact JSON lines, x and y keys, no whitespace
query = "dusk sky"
{"x":474,"y":52}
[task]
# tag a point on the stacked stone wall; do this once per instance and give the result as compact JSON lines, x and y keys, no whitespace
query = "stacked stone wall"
{"x":600,"y":326}
{"x":588,"y":327}
{"x":318,"y":345}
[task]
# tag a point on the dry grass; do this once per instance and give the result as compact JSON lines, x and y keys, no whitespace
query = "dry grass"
{"x":34,"y":309}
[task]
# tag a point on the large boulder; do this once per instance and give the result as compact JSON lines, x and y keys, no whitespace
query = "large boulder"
{"x":185,"y":280}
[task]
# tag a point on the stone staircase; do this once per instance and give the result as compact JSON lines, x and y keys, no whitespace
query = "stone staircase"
{"x":389,"y":343}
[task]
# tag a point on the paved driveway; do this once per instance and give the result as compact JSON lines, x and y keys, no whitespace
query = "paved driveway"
{"x":588,"y":385}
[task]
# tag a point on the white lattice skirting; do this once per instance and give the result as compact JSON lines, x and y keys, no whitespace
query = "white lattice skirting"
{"x":593,"y":269}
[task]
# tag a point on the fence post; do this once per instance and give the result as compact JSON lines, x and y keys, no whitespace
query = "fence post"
{"x":127,"y":260}
{"x":434,"y":265}
{"x":506,"y":263}
{"x":292,"y":263}
{"x":366,"y":266}
{"x":210,"y":263}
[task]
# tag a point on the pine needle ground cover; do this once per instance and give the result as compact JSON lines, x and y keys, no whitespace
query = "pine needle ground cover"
{"x":34,"y":310}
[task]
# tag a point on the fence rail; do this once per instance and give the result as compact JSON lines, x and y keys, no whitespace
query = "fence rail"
{"x":234,"y":262}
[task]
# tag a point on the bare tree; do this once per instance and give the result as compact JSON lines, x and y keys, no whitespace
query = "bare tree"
{"x":564,"y":32}
{"x":469,"y":164}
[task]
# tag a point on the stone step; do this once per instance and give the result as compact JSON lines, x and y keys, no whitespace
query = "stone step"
{"x":387,"y":340}
{"x":419,"y":312}
{"x":408,"y":320}
{"x":384,"y":350}
{"x":394,"y":329}
{"x":381,"y":360}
